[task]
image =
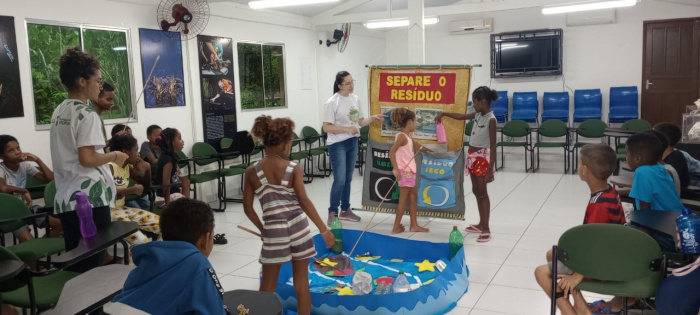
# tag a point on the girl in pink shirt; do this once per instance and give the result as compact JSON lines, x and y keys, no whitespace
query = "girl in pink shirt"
{"x":404,"y":162}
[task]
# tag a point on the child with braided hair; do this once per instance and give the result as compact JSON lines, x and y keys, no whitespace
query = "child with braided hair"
{"x":168,"y":171}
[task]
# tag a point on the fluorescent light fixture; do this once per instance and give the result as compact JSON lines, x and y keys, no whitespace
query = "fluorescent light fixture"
{"x":119,"y":48}
{"x":587,"y":6}
{"x":263,"y":4}
{"x":398,"y":23}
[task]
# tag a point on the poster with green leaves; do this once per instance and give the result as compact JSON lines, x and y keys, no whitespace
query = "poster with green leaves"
{"x":109,"y":45}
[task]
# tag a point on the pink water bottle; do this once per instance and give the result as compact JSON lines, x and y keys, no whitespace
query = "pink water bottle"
{"x":440,"y":132}
{"x":83,"y":209}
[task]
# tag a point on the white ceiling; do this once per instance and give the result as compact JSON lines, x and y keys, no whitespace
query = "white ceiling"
{"x":371,"y":6}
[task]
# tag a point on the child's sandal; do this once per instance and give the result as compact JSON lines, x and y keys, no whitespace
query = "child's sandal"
{"x":220,"y":239}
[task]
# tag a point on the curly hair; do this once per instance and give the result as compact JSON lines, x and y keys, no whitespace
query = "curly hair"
{"x":400,"y":116}
{"x":75,"y":64}
{"x":484,"y":92}
{"x":648,"y":145}
{"x":4,"y":140}
{"x":165,"y":142}
{"x":272,"y":132}
{"x":186,"y":220}
{"x":122,"y":143}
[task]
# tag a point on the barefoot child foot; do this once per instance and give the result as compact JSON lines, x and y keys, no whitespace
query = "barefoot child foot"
{"x":418,"y":228}
{"x":398,"y":229}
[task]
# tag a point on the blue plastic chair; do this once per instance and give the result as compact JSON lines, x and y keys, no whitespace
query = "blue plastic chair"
{"x":624,"y":104}
{"x":525,"y":106}
{"x":500,"y":107}
{"x":555,"y":105}
{"x":587,"y":104}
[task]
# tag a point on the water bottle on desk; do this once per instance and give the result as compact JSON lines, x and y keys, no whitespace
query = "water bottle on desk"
{"x":689,"y":232}
{"x":456,"y":241}
{"x":337,"y":230}
{"x":83,"y":209}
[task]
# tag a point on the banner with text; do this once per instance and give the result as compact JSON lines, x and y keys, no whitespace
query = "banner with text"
{"x":427,"y":92}
{"x":439,"y":182}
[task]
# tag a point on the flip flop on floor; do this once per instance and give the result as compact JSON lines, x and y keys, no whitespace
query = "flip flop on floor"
{"x":483,"y":237}
{"x":472,"y":228}
{"x":220,"y":239}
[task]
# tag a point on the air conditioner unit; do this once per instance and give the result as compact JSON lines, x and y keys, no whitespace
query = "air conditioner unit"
{"x":471,"y":26}
{"x":591,"y":17}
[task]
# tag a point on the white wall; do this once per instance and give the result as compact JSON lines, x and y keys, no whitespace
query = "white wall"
{"x":227,"y":20}
{"x":596,"y":56}
{"x":364,"y":48}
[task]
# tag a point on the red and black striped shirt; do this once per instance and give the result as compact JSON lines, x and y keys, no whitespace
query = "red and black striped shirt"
{"x":604,"y":207}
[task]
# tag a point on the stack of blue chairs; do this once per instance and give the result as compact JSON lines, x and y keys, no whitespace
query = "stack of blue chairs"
{"x":525,"y":106}
{"x":624,"y":104}
{"x":555,"y":105}
{"x":587,"y":104}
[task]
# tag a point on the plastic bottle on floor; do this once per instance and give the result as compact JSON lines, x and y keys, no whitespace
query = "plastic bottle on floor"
{"x":401,"y":284}
{"x":83,"y":209}
{"x":689,"y":232}
{"x":456,"y":241}
{"x":337,"y":230}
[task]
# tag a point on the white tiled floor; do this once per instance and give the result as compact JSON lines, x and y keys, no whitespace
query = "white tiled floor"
{"x":529,"y":213}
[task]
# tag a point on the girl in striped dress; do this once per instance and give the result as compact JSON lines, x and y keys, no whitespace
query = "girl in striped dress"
{"x":279,"y":186}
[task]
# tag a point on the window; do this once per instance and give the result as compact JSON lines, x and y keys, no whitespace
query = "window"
{"x":261,"y":75}
{"x":109,"y":45}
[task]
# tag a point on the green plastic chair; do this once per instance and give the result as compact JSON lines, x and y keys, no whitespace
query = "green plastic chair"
{"x":619,"y":260}
{"x":553,"y":128}
{"x":514,"y":129}
{"x":361,"y":149}
{"x":33,"y":182}
{"x":205,"y":154}
{"x":590,"y":129}
{"x":50,"y":194}
{"x":36,"y":293}
{"x":15,"y":209}
{"x":225,"y":144}
{"x":299,"y":155}
{"x":636,"y":125}
{"x":468,"y":131}
{"x":311,"y":138}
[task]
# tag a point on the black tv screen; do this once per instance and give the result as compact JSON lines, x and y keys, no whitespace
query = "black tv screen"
{"x":526,"y":56}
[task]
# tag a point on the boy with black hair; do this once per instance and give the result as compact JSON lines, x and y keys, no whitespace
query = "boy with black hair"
{"x":598,"y":162}
{"x":104,"y":102}
{"x":150,"y":151}
{"x":653,"y":187}
{"x":672,"y":156}
{"x":175,"y":276}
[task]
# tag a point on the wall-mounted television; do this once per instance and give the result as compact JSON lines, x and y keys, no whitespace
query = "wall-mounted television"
{"x":527,"y":53}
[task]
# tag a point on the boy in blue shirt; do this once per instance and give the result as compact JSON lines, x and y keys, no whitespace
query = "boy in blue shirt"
{"x":653,"y":187}
{"x":175,"y":276}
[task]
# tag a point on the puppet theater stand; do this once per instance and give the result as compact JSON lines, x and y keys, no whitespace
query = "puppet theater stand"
{"x":437,"y":297}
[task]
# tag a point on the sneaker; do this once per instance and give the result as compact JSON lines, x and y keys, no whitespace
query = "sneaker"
{"x":349,"y":215}
{"x":331,"y":216}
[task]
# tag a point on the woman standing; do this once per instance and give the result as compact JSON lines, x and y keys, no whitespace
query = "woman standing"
{"x":342,"y":119}
{"x":77,"y":145}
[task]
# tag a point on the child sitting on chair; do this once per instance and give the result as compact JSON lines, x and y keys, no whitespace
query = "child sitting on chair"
{"x":175,"y":276}
{"x":15,"y":168}
{"x":653,"y":187}
{"x":597,"y":162}
{"x":122,"y":173}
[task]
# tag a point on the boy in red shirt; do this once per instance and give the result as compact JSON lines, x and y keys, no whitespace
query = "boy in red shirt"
{"x":597,"y":163}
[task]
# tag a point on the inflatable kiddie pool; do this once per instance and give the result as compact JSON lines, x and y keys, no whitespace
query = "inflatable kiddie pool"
{"x":438,"y":296}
